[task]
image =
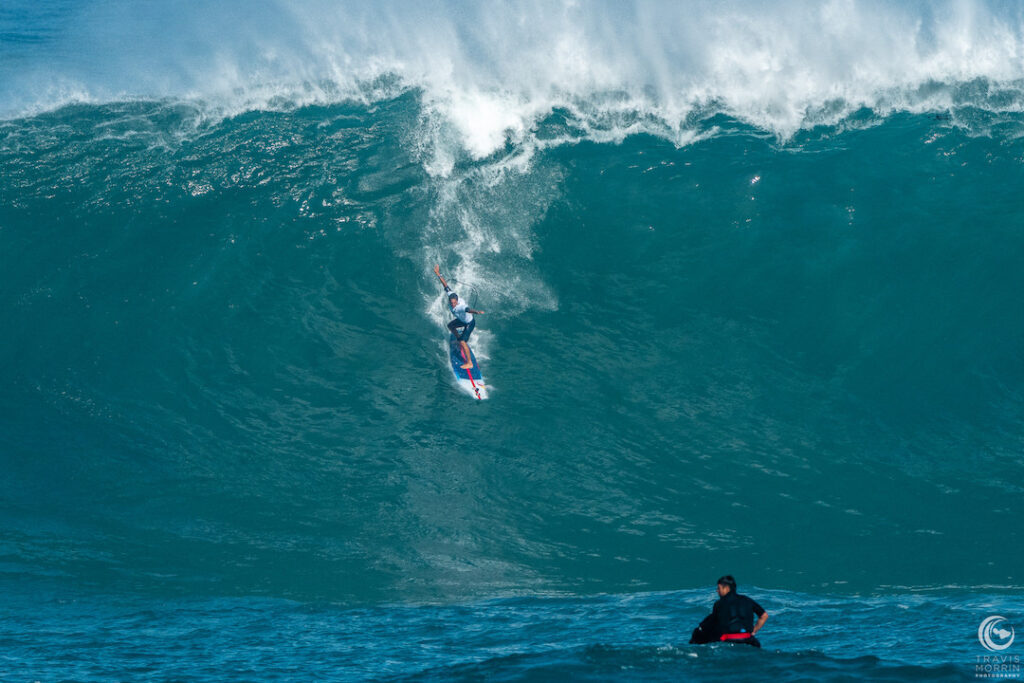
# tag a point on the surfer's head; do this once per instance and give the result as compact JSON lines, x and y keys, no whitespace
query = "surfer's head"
{"x":726,"y":584}
{"x":452,"y":296}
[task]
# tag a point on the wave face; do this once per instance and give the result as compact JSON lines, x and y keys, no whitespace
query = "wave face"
{"x":751,"y":274}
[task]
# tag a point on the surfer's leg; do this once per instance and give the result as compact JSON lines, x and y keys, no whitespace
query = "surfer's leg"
{"x":465,"y":354}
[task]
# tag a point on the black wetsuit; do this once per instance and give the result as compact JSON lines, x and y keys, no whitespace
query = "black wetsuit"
{"x":461,"y":330}
{"x":732,"y":614}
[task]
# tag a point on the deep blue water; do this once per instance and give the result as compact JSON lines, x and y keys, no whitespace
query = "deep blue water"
{"x":621,"y":637}
{"x":753,"y":307}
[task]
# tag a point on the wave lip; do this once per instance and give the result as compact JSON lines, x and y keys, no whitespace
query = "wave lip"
{"x":493,"y":73}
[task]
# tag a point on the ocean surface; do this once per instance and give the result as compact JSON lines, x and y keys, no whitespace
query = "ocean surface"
{"x":753,"y":278}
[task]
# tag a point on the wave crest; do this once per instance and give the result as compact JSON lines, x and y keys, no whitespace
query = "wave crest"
{"x":493,"y":73}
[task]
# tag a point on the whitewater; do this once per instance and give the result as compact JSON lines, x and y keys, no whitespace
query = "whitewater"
{"x":752,"y":275}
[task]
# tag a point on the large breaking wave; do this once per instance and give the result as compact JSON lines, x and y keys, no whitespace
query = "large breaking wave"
{"x":491,"y":73}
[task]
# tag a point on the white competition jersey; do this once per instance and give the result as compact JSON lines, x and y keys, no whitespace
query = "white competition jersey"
{"x":460,"y":311}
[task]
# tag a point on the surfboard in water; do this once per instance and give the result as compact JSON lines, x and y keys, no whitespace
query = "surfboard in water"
{"x":469,"y":379}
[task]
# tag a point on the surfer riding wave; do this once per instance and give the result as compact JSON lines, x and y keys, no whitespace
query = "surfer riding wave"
{"x":464,"y":323}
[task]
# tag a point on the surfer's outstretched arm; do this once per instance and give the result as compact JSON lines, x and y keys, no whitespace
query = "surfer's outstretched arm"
{"x":437,"y":272}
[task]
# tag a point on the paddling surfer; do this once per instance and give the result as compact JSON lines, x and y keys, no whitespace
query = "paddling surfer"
{"x":732,"y":619}
{"x":464,"y":322}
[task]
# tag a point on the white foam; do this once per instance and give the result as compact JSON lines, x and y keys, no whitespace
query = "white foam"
{"x":491,"y":71}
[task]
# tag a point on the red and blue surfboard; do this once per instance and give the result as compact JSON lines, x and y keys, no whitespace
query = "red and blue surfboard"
{"x":470,"y":380}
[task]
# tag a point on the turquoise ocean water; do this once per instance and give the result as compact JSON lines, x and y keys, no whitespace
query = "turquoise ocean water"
{"x":753,"y":279}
